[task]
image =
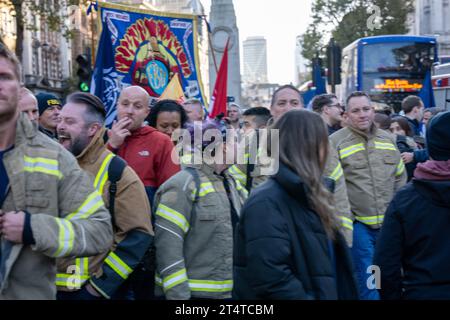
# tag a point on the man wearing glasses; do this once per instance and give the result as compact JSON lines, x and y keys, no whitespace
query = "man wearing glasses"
{"x":328,"y":106}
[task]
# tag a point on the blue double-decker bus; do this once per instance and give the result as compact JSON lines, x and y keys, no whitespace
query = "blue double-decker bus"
{"x":388,"y":68}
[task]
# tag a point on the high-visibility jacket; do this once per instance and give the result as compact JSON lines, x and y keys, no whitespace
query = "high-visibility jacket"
{"x":194,"y":239}
{"x":68,"y":216}
{"x":132,"y":227}
{"x":253,"y":150}
{"x":372,"y":170}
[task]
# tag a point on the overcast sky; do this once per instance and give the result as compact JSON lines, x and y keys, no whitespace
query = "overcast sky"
{"x":279,"y":21}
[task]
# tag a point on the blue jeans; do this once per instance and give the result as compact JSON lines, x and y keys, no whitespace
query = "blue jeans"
{"x":364,"y":240}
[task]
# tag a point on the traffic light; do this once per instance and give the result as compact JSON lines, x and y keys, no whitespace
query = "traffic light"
{"x":84,"y":72}
{"x":334,"y":63}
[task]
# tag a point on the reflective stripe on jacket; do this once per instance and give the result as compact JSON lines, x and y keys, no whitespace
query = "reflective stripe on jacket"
{"x":194,"y":240}
{"x":373,"y":171}
{"x":132,"y":229}
{"x":68,"y":217}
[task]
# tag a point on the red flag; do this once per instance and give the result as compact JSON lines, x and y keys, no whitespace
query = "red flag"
{"x":218,"y":103}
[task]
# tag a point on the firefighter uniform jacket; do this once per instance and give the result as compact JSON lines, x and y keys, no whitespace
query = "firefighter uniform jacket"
{"x":194,"y":238}
{"x":372,"y":170}
{"x":68,"y":216}
{"x":132,"y":229}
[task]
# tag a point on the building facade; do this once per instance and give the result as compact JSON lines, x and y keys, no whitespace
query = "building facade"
{"x":255,"y":60}
{"x":430,"y":18}
{"x":45,"y":54}
{"x":258,"y":95}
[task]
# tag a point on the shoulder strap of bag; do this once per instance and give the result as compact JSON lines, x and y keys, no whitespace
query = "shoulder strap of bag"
{"x":251,"y":166}
{"x":193,"y":172}
{"x":115,"y":171}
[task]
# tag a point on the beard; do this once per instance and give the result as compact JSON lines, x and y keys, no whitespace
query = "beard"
{"x":76,"y":145}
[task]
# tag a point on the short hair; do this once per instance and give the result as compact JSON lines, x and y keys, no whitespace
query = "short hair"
{"x":410,"y":102}
{"x":434,"y":110}
{"x":166,"y":105}
{"x":11,"y":57}
{"x":383,"y":120}
{"x":235,"y":105}
{"x":95,"y":109}
{"x":193,"y":101}
{"x":356,"y":94}
{"x":321,"y":101}
{"x":286,"y":86}
{"x":262,"y":115}
{"x":403,"y":123}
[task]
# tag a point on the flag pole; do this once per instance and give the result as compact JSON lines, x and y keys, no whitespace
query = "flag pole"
{"x":210,"y":43}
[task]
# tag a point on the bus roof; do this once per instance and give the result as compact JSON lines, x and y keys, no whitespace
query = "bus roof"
{"x":392,"y":38}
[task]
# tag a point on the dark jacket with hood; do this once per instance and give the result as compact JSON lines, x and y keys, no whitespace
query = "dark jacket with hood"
{"x":275,"y":261}
{"x":404,"y":145}
{"x":413,"y":247}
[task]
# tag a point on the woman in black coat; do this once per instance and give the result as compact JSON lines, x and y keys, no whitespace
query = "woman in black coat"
{"x":413,"y":248}
{"x":288,"y":245}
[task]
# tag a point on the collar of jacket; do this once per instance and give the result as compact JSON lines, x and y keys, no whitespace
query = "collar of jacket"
{"x":49,"y":133}
{"x":140,"y":132}
{"x":92,"y":152}
{"x":291,"y":182}
{"x":367,"y":136}
{"x":207,"y":169}
{"x":25,"y":129}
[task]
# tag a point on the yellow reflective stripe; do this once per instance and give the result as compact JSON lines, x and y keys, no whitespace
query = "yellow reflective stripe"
{"x":186,"y":159}
{"x":195,"y":285}
{"x":347,"y":223}
{"x":82,"y":265}
{"x":205,"y":188}
{"x":93,"y":202}
{"x":174,"y":279}
{"x":384,"y":146}
{"x":158,"y":280}
{"x":372,"y":220}
{"x":211,"y":286}
{"x":67,"y":279}
{"x":237,"y":174}
{"x":173,"y":216}
{"x":344,"y":153}
{"x":42,"y":165}
{"x":337,"y":172}
{"x":66,"y":237}
{"x":240,"y":188}
{"x":400,"y":168}
{"x":118,"y":265}
{"x":102,"y":174}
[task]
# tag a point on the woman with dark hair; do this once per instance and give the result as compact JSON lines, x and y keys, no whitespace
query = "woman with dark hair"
{"x":288,"y":241}
{"x":167,"y":116}
{"x":405,"y":142}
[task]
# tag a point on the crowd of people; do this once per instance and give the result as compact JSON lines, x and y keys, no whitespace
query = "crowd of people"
{"x":91,"y":212}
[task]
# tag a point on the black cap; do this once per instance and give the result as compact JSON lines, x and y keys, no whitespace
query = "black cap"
{"x":438,"y":137}
{"x":47,"y":100}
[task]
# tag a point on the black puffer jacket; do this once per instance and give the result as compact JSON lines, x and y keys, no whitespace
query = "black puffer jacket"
{"x":415,"y":238}
{"x":273,"y":261}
